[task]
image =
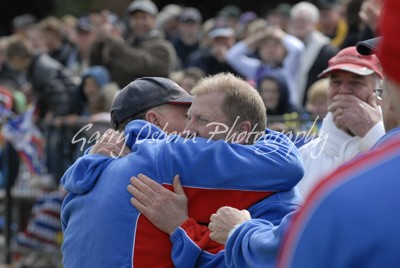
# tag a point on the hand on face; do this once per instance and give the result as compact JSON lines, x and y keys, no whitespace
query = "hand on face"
{"x":219,"y":52}
{"x":354,"y":115}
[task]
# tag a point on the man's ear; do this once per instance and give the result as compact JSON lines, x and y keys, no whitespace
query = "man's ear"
{"x":245,"y":128}
{"x":154,"y":118}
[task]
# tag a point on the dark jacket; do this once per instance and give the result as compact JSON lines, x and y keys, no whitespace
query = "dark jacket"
{"x":320,"y":64}
{"x":204,"y":60}
{"x":151,"y":55}
{"x":53,"y":86}
{"x":67,"y":54}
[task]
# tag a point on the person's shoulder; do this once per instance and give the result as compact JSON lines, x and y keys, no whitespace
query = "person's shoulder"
{"x":360,"y":174}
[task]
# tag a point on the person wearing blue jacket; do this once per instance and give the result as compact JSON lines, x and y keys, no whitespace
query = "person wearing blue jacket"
{"x":349,"y":219}
{"x":102,"y":229}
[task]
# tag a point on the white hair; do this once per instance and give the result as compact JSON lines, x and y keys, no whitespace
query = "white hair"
{"x":305,"y":7}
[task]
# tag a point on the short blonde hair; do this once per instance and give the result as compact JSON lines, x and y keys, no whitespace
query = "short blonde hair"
{"x":317,"y":90}
{"x":241,"y":99}
{"x":52,"y":25}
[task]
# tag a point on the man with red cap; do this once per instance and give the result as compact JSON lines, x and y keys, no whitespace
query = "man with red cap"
{"x":354,"y":120}
{"x":350,"y":219}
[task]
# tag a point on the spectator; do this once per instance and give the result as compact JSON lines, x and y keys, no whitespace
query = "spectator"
{"x":279,"y":16}
{"x":276,"y":51}
{"x":168,"y":21}
{"x":57,"y":45}
{"x":317,"y":99}
{"x":21,"y":24}
{"x":96,"y":80}
{"x":331,"y":21}
{"x":231,"y":13}
{"x":304,"y":18}
{"x":275,"y":95}
{"x":242,"y":26}
{"x":354,"y":22}
{"x":344,"y":194}
{"x":354,"y":121}
{"x":211,"y":59}
{"x":370,"y":14}
{"x":318,"y":231}
{"x":52,"y":89}
{"x":189,"y":37}
{"x":68,"y":26}
{"x":188,"y":78}
{"x":145,"y":46}
{"x":9,"y":75}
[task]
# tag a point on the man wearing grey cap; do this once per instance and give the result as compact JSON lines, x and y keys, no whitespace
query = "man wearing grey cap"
{"x":160,"y":102}
{"x":145,"y":52}
{"x":102,"y":229}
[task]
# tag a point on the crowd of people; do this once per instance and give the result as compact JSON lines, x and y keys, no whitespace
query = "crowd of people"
{"x":245,"y":135}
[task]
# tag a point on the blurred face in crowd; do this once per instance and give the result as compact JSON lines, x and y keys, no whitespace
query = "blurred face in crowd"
{"x":84,"y":40}
{"x":36,"y":39}
{"x":328,"y":20}
{"x":188,"y":82}
{"x":301,"y":26}
{"x":189,"y":29}
{"x":342,"y":82}
{"x":269,"y":91}
{"x":319,"y":107}
{"x":141,"y":22}
{"x":90,"y":87}
{"x":220,"y":45}
{"x":272,"y":51}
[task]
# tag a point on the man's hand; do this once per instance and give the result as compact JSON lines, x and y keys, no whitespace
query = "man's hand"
{"x":219,"y":52}
{"x":112,"y":144}
{"x":222,"y":222}
{"x":355,"y":115}
{"x":165,"y":209}
{"x":370,"y":12}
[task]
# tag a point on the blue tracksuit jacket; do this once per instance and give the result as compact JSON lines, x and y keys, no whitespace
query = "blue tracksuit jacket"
{"x":101,"y":227}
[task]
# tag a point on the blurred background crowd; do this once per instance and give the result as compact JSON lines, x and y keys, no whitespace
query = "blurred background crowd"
{"x":59,"y":73}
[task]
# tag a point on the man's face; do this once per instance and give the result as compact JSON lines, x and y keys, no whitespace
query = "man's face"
{"x":84,"y":40}
{"x":269,"y":91}
{"x":346,"y":83}
{"x":141,"y":22}
{"x":205,"y":109}
{"x":175,"y":117}
{"x":301,"y":26}
{"x":189,"y":29}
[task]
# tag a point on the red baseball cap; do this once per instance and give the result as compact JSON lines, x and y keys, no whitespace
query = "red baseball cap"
{"x":350,"y":60}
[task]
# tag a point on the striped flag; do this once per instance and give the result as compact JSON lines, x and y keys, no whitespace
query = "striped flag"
{"x":23,"y":134}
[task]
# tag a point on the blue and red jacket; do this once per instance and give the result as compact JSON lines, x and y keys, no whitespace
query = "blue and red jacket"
{"x":102,"y":229}
{"x":351,"y":219}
